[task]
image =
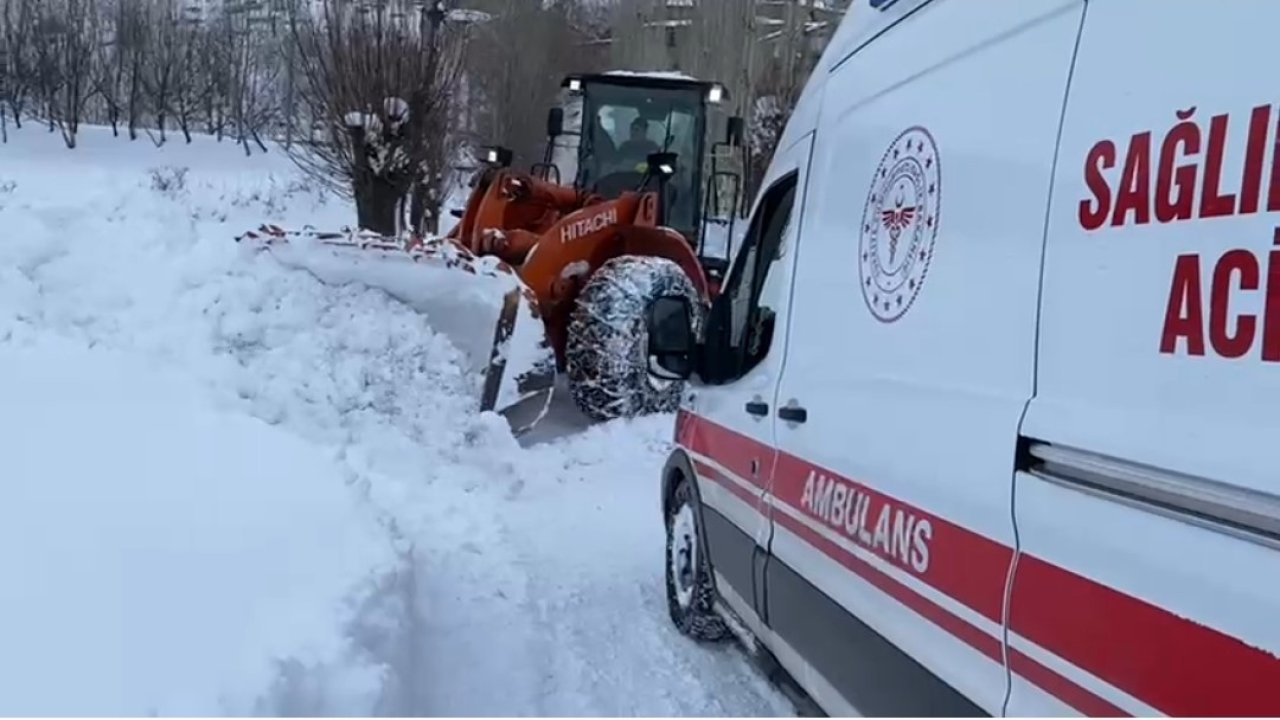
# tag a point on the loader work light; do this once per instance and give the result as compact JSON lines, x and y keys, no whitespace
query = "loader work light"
{"x":715,"y":94}
{"x":575,"y":85}
{"x":497,"y":156}
{"x":662,"y":164}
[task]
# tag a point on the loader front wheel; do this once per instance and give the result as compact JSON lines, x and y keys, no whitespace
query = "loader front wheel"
{"x":606,"y":351}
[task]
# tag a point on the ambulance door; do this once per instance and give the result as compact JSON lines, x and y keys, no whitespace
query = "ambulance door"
{"x":1148,"y":508}
{"x":911,"y":355}
{"x":727,"y":428}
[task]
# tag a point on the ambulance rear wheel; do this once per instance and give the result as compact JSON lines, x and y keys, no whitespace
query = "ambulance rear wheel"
{"x":607,"y":348}
{"x":691,"y":591}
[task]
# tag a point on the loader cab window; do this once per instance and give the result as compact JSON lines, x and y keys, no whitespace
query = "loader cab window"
{"x":740,"y":329}
{"x":623,"y":125}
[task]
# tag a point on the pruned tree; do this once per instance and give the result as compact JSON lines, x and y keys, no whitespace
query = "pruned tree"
{"x":379,"y":80}
{"x":775,"y":95}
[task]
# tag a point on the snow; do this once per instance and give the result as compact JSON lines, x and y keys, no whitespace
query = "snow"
{"x":658,"y":74}
{"x":463,"y":306}
{"x":230,"y":487}
{"x":463,"y":15}
{"x":144,"y":554}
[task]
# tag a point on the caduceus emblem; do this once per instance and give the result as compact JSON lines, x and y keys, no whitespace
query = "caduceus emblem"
{"x":900,"y":223}
{"x":896,"y":220}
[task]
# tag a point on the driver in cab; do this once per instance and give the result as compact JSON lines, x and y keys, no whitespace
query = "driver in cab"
{"x":636,"y":150}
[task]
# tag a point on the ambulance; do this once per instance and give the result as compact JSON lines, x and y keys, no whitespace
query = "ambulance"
{"x":987,"y":418}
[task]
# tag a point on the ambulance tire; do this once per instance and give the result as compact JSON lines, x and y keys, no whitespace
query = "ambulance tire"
{"x":691,"y":593}
{"x":606,"y":352}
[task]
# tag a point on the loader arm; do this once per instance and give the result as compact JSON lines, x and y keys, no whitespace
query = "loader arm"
{"x":508,"y":210}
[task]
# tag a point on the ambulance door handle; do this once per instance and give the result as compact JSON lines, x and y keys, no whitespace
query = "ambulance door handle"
{"x":758,"y":407}
{"x":793,"y":413}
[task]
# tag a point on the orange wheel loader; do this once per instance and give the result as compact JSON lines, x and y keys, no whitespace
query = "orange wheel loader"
{"x":636,"y":197}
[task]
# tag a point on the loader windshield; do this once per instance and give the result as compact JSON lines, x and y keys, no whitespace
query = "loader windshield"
{"x":623,"y":125}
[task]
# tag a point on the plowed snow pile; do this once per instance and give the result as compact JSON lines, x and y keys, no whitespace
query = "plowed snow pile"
{"x":226,"y":487}
{"x":146,"y":567}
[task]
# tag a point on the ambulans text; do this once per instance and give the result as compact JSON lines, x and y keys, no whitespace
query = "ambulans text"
{"x":895,"y":534}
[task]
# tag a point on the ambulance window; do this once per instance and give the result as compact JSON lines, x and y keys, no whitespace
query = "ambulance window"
{"x":741,"y":329}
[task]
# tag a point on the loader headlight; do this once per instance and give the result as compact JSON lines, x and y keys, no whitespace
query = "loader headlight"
{"x":575,"y":85}
{"x":715,"y":94}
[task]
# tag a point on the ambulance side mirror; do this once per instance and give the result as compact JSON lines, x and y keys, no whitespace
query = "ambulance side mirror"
{"x":672,"y":345}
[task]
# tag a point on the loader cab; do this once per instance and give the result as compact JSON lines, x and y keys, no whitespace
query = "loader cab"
{"x":626,"y":117}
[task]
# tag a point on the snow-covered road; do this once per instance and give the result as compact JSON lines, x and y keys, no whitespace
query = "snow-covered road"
{"x":480,"y":575}
{"x":564,"y":593}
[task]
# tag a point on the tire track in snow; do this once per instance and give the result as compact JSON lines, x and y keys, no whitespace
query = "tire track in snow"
{"x":545,"y":596}
{"x":478,"y":638}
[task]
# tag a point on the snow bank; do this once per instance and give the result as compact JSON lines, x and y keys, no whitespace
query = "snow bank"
{"x":197,"y":537}
{"x":460,"y":296}
{"x":163,"y":557}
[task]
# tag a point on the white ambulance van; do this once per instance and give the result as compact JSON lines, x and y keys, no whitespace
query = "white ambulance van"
{"x":987,"y":418}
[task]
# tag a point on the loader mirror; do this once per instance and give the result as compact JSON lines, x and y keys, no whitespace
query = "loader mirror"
{"x":555,"y":122}
{"x":735,"y":131}
{"x":669,"y":321}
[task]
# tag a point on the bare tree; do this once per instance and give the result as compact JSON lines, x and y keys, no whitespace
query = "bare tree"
{"x":379,"y":80}
{"x":515,"y":64}
{"x":249,"y":74}
{"x":76,"y":48}
{"x":194,"y":78}
{"x":160,"y":76}
{"x":109,"y":67}
{"x":132,"y":52}
{"x":17,"y":23}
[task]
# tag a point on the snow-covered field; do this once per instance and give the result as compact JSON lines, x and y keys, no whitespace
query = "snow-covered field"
{"x":228,"y":488}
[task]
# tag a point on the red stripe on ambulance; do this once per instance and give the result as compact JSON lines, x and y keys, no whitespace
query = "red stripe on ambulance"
{"x":1171,"y":663}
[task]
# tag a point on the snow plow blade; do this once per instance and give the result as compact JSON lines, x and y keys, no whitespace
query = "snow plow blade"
{"x":478,"y":303}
